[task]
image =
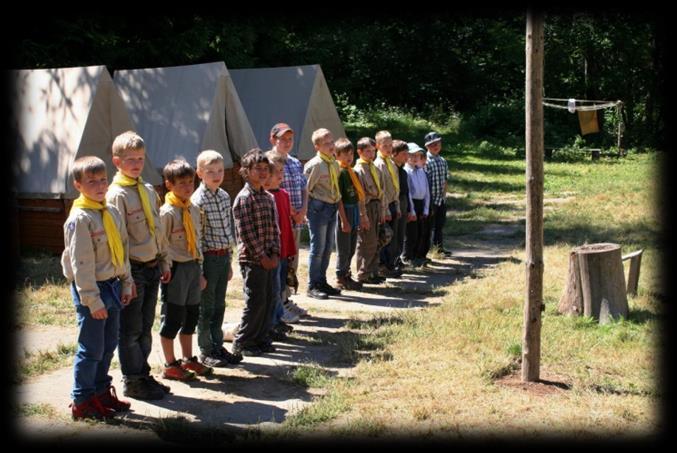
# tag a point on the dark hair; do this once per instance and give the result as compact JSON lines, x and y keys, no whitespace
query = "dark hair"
{"x":399,"y":146}
{"x":343,"y":145}
{"x":87,"y":164}
{"x":252,"y":157}
{"x":178,"y":168}
{"x":365,"y":142}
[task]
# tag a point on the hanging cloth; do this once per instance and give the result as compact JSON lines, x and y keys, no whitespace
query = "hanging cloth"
{"x":588,"y":121}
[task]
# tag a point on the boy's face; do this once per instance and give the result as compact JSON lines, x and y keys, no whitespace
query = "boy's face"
{"x":326,"y":145}
{"x":414,"y":159}
{"x":258,"y":174}
{"x":211,"y":175}
{"x":275,"y":178}
{"x":131,"y":162}
{"x":435,"y":147}
{"x":284,"y":143}
{"x":385,"y":146}
{"x":400,"y":158}
{"x":345,"y":158}
{"x":422,"y":159}
{"x":93,"y":186}
{"x":182,"y":187}
{"x":367,"y":153}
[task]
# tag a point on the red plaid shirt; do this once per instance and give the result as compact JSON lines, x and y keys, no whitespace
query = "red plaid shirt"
{"x":255,"y":225}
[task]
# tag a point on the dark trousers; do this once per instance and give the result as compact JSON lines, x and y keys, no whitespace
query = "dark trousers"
{"x":401,"y":231}
{"x":439,"y":218}
{"x":136,"y":323}
{"x":213,"y":303}
{"x":417,"y":237}
{"x":345,"y":243}
{"x":388,"y":254}
{"x":259,"y":303}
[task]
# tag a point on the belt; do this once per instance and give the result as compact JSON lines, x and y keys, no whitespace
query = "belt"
{"x":217,"y":252}
{"x":151,"y":263}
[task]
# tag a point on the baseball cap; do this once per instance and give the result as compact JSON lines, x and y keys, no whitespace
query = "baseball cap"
{"x":414,"y":148}
{"x":279,"y":129}
{"x":432,"y":137}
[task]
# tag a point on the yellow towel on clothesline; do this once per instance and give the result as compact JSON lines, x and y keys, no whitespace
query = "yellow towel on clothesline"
{"x":588,"y":121}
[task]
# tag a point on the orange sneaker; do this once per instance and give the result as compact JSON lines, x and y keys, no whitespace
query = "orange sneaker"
{"x":196,"y":367}
{"x":109,"y":399}
{"x":176,"y":372}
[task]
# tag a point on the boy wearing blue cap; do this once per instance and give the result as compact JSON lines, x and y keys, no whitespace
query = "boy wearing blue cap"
{"x":437,"y":170}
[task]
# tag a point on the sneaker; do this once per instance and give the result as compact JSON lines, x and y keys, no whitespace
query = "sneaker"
{"x":142,"y":389}
{"x":212,"y":360}
{"x":330,"y":290}
{"x":289,"y":317}
{"x":346,"y":282}
{"x":151,"y":380}
{"x":90,"y":409}
{"x":392,"y":273}
{"x":447,"y":253}
{"x":250,"y":351}
{"x":192,"y":364}
{"x":176,"y":372}
{"x":228,"y":357}
{"x":291,"y":306}
{"x":277,"y":335}
{"x":109,"y":399}
{"x":316,"y":293}
{"x":267,"y":347}
{"x":283,"y":327}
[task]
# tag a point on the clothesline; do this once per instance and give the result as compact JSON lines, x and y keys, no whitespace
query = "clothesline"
{"x":584,"y":108}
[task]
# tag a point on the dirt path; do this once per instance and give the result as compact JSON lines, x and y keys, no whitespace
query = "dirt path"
{"x":259,"y":391}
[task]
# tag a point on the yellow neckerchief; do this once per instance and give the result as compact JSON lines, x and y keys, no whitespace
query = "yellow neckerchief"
{"x":391,"y":169}
{"x":126,"y":181}
{"x":374,"y":173}
{"x":356,"y":182}
{"x":117,"y":252}
{"x":187,"y":221}
{"x":333,"y":174}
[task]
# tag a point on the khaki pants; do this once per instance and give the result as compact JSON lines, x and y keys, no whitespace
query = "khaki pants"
{"x":367,"y":243}
{"x":294,"y":262}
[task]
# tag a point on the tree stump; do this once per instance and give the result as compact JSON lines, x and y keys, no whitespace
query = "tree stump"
{"x":596,"y":283}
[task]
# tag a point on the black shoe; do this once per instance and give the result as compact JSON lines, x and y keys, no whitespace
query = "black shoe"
{"x":283,"y":327}
{"x":213,"y":361}
{"x":164,"y":388}
{"x":330,"y":290}
{"x":142,"y":389}
{"x":250,"y":351}
{"x":447,"y":253}
{"x":267,"y":347}
{"x":377,"y":279}
{"x":316,"y":293}
{"x":228,"y":357}
{"x":278,"y":335}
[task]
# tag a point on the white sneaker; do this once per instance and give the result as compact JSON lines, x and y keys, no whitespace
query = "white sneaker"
{"x":291,"y":306}
{"x":289,"y":317}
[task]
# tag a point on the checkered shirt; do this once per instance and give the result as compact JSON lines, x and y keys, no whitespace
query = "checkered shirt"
{"x":437,"y":170}
{"x":217,"y":223}
{"x":256,"y":227}
{"x":294,"y":183}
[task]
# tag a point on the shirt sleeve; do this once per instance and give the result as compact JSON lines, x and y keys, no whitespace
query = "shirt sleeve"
{"x":244,"y":215}
{"x":83,"y":262}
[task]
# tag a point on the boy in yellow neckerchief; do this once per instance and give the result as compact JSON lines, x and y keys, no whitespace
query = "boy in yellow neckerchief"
{"x":95,"y":262}
{"x":180,"y":297}
{"x":139,"y":207}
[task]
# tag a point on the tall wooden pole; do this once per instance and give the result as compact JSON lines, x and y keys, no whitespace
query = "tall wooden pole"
{"x":531,"y":337}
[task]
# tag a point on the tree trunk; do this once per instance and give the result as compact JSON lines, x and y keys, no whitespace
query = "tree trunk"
{"x":596,"y":279}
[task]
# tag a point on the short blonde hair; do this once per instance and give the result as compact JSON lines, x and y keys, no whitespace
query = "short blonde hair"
{"x":87,"y":164}
{"x":319,"y":135}
{"x":208,"y":157}
{"x":126,"y":141}
{"x":382,"y":135}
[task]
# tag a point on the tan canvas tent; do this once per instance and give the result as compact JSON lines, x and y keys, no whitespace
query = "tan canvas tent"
{"x":182,"y":110}
{"x":61,"y":114}
{"x":296,"y":95}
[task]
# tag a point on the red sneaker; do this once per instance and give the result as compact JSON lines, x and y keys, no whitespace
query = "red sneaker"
{"x":196,"y":367}
{"x":109,"y":399}
{"x":90,"y":409}
{"x":176,"y":372}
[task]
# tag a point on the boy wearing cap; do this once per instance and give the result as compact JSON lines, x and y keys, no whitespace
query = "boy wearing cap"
{"x":415,"y":241}
{"x":437,"y":170}
{"x":391,"y":200}
{"x":322,"y":173}
{"x":295,"y":183}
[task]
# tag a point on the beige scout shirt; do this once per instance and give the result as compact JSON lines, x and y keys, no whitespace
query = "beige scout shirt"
{"x":142,"y":245}
{"x":86,"y":258}
{"x":175,"y":234}
{"x":369,"y":185}
{"x":319,"y":186}
{"x":390,"y":194}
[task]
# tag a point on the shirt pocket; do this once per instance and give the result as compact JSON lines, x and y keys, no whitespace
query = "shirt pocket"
{"x":137,"y":227}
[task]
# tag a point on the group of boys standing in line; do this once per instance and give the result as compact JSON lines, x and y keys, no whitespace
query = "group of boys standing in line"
{"x":122,"y":246}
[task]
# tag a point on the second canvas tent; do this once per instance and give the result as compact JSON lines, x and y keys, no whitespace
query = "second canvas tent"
{"x":296,"y":95}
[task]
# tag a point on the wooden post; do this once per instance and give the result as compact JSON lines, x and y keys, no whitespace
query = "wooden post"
{"x":531,"y":338}
{"x":633,"y":273}
{"x":602,"y":281}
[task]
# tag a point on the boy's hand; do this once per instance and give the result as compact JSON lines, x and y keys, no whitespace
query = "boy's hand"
{"x":127,"y":298}
{"x":398,"y":215}
{"x":388,"y":218}
{"x":267,"y":262}
{"x":134,"y":294}
{"x":166,"y":277}
{"x":411,"y":218}
{"x":345,"y":227}
{"x":364,"y":223}
{"x":101,"y":313}
{"x":299,"y":217}
{"x":203,"y":282}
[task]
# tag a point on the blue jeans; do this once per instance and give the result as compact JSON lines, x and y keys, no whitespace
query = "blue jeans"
{"x":136,"y":323}
{"x":97,"y":340}
{"x":322,"y":226}
{"x":278,"y":310}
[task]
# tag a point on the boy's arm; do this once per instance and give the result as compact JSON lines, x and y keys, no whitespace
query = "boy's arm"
{"x":246,"y":229}
{"x":426,"y":200}
{"x":83,"y":263}
{"x":161,"y":241}
{"x":412,"y":211}
{"x":310,"y":171}
{"x":127,"y":280}
{"x":342,"y":216}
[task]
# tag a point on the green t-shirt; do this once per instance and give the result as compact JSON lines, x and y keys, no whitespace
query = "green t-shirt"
{"x":346,"y":187}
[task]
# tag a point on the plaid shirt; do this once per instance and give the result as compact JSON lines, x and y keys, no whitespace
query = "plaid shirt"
{"x":254,"y":213}
{"x":437,"y":170}
{"x":294,"y":183}
{"x":217,"y":224}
